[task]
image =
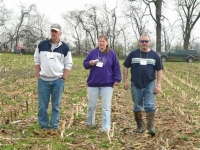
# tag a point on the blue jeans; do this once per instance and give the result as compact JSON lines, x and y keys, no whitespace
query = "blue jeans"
{"x":47,"y":90}
{"x":143,"y":97}
{"x":106,"y":98}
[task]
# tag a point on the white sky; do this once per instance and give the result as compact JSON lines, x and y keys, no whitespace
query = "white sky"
{"x":54,"y":8}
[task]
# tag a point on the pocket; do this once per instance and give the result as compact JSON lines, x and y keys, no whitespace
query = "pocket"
{"x":62,"y":80}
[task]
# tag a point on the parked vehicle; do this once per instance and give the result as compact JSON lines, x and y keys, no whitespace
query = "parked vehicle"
{"x":180,"y":54}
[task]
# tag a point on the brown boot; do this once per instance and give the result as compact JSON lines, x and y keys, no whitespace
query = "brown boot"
{"x":139,"y":121}
{"x":44,"y":132}
{"x":150,"y":117}
{"x":54,"y":132}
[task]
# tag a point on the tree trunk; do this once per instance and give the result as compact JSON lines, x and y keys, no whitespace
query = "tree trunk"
{"x":186,"y":40}
{"x":158,"y":25}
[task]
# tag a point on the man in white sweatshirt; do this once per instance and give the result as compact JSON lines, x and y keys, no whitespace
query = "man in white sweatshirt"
{"x":53,"y":62}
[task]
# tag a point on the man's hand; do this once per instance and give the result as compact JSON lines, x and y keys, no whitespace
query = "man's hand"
{"x":38,"y":75}
{"x":157,"y":89}
{"x":126,"y":85}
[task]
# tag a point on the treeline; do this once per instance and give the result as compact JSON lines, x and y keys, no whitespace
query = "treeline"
{"x":123,"y":23}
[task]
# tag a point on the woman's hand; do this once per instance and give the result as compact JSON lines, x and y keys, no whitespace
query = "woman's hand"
{"x":93,"y":62}
{"x":116,"y":84}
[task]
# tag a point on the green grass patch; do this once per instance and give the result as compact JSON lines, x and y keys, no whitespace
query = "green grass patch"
{"x":185,"y":137}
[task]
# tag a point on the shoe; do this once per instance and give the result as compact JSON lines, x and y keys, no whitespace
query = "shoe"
{"x":44,"y":132}
{"x":91,"y":127}
{"x":54,"y":132}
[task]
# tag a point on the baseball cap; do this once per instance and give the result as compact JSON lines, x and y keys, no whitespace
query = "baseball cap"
{"x":56,"y":27}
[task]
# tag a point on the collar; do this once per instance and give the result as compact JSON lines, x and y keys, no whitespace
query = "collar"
{"x":59,"y":43}
{"x":145,"y":51}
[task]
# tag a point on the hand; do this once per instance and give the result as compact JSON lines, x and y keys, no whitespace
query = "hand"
{"x":92,"y":62}
{"x":157,"y":90}
{"x":125,"y":85}
{"x":38,"y":76}
{"x":116,"y":84}
{"x":62,"y":78}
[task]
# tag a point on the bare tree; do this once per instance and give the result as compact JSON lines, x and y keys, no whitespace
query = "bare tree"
{"x":136,"y":15}
{"x":157,"y":19}
{"x":4,"y":17}
{"x":38,"y":23}
{"x":125,"y":36}
{"x":189,"y":13}
{"x":34,"y":30}
{"x":25,"y":12}
{"x":168,"y":37}
{"x":157,"y":5}
{"x":96,"y":21}
{"x":4,"y":13}
{"x":73,"y":19}
{"x":90,"y":23}
{"x":27,"y":28}
{"x":111,"y":21}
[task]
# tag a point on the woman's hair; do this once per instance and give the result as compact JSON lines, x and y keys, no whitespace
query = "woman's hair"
{"x":102,"y":36}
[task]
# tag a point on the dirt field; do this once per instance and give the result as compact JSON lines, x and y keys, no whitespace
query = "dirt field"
{"x":177,"y":115}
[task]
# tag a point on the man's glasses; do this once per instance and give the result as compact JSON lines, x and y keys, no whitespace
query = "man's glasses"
{"x":144,"y":41}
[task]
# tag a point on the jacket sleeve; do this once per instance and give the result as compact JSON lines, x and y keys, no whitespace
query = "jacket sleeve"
{"x":37,"y":57}
{"x":68,"y":61}
{"x":86,"y":62}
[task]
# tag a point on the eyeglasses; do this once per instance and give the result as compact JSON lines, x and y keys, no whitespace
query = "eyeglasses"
{"x":144,"y":41}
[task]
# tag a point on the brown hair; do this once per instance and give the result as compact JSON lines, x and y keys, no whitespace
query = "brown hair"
{"x":102,"y":36}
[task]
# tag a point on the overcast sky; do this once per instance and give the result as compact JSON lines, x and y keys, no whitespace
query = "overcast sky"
{"x":54,"y":8}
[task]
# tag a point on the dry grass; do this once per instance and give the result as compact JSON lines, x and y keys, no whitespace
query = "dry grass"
{"x":177,"y":115}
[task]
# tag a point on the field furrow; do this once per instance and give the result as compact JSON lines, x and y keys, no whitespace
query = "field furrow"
{"x":177,"y":114}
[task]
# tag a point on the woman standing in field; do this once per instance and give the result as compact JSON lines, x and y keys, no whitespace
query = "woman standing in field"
{"x":104,"y":74}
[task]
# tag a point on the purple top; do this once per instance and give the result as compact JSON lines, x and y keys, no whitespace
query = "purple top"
{"x":106,"y":75}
